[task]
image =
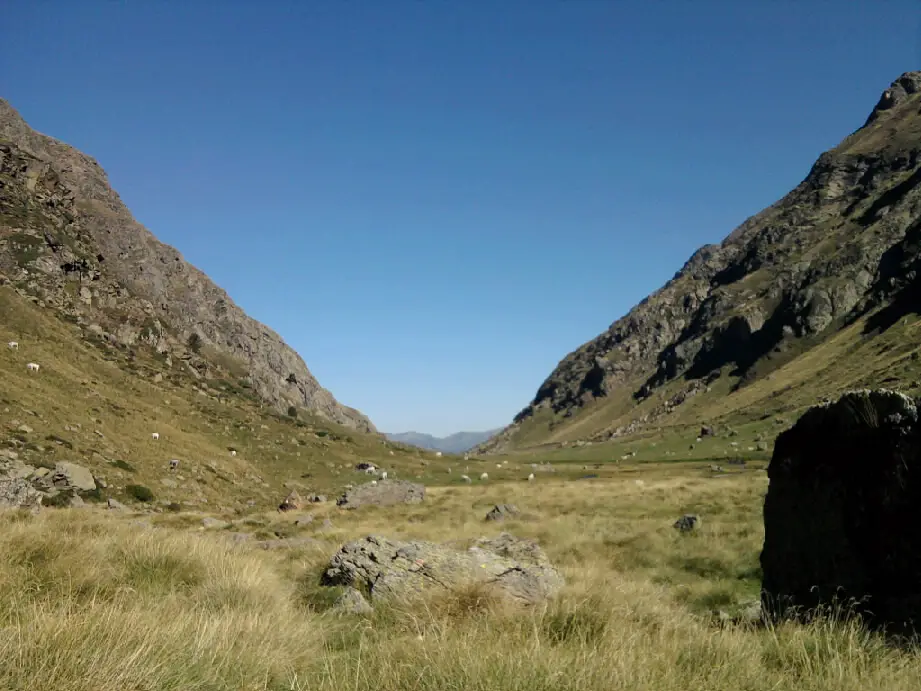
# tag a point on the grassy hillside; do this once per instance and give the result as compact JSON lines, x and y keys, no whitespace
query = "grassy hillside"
{"x":97,"y":404}
{"x":745,"y":419}
{"x":100,"y":602}
{"x":816,"y":294}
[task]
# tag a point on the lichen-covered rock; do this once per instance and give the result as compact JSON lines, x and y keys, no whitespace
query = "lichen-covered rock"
{"x":841,"y":511}
{"x":70,"y":476}
{"x":382,"y":493}
{"x":386,"y":569}
{"x":16,"y":492}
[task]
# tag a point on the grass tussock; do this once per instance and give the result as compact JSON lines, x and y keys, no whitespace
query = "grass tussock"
{"x":92,"y":601}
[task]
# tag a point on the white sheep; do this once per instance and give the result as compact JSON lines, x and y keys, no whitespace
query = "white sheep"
{"x":374,"y":482}
{"x":465,"y":478}
{"x":438,"y":454}
{"x":13,"y":345}
{"x":173,"y":464}
{"x":531,"y":477}
{"x":233,"y":452}
{"x":155,"y":435}
{"x":484,"y":476}
{"x":32,"y":367}
{"x":466,"y":456}
{"x":384,"y":475}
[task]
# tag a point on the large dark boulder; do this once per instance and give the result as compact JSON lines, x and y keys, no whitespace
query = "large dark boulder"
{"x":841,"y":512}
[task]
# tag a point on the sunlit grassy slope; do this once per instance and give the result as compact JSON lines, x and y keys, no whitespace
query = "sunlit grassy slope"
{"x":784,"y":385}
{"x":98,"y":405}
{"x":95,"y":601}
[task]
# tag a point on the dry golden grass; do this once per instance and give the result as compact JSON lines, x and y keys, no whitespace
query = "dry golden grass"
{"x":91,"y":601}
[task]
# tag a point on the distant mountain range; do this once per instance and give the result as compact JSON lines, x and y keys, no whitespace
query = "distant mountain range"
{"x":454,"y":443}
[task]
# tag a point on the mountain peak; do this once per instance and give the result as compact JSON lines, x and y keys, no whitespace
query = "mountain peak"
{"x":68,"y":241}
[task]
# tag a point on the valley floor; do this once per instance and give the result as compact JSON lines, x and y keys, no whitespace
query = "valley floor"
{"x":106,"y":601}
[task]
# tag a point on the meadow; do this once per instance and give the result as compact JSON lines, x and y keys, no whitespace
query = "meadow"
{"x":102,"y":600}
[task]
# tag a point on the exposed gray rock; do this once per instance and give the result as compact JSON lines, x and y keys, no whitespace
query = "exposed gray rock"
{"x":514,"y":568}
{"x":502,"y":511}
{"x":115,"y":505}
{"x":382,"y":493}
{"x":841,"y":509}
{"x":72,"y":476}
{"x":290,"y":503}
{"x":16,"y":492}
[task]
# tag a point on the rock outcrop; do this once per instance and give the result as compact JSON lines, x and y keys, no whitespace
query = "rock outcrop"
{"x":844,"y":242}
{"x":840,"y":511}
{"x":67,"y":240}
{"x":382,"y":493}
{"x":384,"y":569}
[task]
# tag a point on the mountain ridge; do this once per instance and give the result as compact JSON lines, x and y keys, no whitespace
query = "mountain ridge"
{"x":68,"y":241}
{"x":842,"y":245}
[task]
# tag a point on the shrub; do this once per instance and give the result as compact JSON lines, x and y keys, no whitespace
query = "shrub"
{"x":140,"y":492}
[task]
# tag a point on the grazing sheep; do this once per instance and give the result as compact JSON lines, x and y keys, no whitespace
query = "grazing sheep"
{"x":32,"y":367}
{"x":499,"y":466}
{"x":233,"y":452}
{"x":531,"y":477}
{"x":373,"y":482}
{"x":384,"y":475}
{"x":466,"y":456}
{"x":438,"y":454}
{"x":465,"y":478}
{"x":155,"y":435}
{"x":173,"y":464}
{"x":13,"y":345}
{"x":484,"y":476}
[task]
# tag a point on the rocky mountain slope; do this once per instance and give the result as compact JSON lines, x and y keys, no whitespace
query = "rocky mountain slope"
{"x":453,"y":443}
{"x":69,"y":243}
{"x":842,"y":249}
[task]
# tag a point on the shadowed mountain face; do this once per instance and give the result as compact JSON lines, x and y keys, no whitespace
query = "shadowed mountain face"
{"x":68,"y":243}
{"x":842,"y":247}
{"x":454,"y":443}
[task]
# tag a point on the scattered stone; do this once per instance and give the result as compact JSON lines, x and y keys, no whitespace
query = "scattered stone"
{"x":687,"y":523}
{"x":304,"y":521}
{"x":115,"y":504}
{"x":290,"y":503}
{"x":383,"y":493}
{"x":502,"y":511}
{"x":214,"y":523}
{"x":287,"y":543}
{"x":317,"y":499}
{"x":706,"y":431}
{"x":25,"y":429}
{"x":840,"y":515}
{"x":515,"y":569}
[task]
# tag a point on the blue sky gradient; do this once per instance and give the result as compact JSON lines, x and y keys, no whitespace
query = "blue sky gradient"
{"x":434,"y":202}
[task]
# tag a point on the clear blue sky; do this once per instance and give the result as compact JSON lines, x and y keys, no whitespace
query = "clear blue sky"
{"x":435,"y":201}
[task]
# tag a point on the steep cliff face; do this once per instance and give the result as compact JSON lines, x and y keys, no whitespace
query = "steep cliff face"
{"x":68,"y":242}
{"x":843,"y":243}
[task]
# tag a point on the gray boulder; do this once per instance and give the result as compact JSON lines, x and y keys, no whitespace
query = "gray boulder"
{"x":502,"y":511}
{"x":352,"y":602}
{"x":841,"y":511}
{"x":72,"y":476}
{"x":16,"y":492}
{"x":514,"y":568}
{"x":382,"y":493}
